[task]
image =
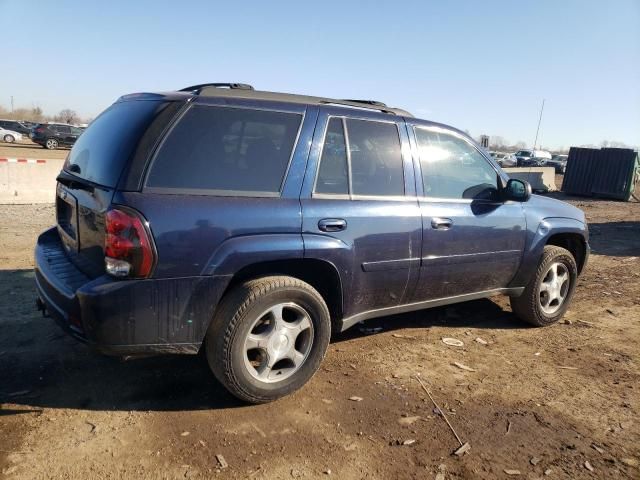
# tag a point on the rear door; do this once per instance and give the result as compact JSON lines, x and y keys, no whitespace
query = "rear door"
{"x":472,"y":240}
{"x":63,"y":132}
{"x":359,"y":207}
{"x":90,"y":175}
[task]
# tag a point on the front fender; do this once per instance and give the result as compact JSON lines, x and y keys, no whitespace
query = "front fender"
{"x":538,"y":238}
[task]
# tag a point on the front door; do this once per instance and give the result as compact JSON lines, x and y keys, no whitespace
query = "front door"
{"x":359,"y":207}
{"x":472,"y":240}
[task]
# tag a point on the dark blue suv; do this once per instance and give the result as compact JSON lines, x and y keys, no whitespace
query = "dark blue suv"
{"x":254,"y":224}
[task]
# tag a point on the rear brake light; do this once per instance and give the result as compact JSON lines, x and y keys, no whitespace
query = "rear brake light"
{"x":128,"y":246}
{"x":39,"y":130}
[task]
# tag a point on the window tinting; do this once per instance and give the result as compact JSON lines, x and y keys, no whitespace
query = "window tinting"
{"x":453,"y":168}
{"x":332,"y":175}
{"x":376,"y":159}
{"x":226,"y":149}
{"x":105,"y":146}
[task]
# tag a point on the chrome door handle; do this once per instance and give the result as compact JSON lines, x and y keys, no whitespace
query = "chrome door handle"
{"x":439,"y":223}
{"x":332,"y":224}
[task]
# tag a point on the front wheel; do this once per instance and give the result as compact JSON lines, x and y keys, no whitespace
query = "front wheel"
{"x":51,"y":144}
{"x":547,"y":295}
{"x":9,"y":138}
{"x":268,"y":338}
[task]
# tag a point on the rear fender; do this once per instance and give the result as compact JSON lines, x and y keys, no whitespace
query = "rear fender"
{"x":238,"y":252}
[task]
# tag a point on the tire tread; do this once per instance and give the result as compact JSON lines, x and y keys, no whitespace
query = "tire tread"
{"x":222,"y":333}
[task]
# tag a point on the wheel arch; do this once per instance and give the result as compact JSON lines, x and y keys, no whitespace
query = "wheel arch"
{"x":320,"y":274}
{"x":574,"y":243}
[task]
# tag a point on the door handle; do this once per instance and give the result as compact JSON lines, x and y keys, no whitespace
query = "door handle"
{"x":332,"y":224}
{"x":439,"y":223}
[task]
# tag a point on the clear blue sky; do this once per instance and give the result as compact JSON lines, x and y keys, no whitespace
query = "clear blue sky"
{"x":483,"y":66}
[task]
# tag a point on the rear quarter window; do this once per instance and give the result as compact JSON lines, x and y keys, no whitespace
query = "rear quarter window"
{"x":226,"y":151}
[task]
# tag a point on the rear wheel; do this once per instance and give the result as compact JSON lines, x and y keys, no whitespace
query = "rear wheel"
{"x":546,"y":298}
{"x":9,"y":138}
{"x":268,"y":338}
{"x":51,"y":144}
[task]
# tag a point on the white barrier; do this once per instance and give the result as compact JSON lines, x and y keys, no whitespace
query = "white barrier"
{"x":542,"y":179}
{"x":27,"y":180}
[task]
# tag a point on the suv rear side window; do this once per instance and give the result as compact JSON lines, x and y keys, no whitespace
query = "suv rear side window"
{"x":375,"y":159}
{"x":333,"y":177}
{"x":452,"y":168}
{"x":227,"y":151}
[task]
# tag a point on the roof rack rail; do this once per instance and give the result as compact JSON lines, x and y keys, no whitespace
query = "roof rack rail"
{"x":232,"y":86}
{"x":373,"y":103}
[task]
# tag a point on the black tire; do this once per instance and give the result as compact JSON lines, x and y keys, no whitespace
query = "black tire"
{"x":233,"y":322}
{"x":9,"y":138}
{"x":528,"y":305}
{"x":51,"y":144}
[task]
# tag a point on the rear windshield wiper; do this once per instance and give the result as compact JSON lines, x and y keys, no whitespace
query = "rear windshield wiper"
{"x":72,"y":181}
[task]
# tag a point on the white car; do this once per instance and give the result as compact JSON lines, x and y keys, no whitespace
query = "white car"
{"x":9,"y":136}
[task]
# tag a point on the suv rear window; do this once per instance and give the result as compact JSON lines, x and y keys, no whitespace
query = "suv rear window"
{"x":224,"y":150}
{"x":104,"y":147}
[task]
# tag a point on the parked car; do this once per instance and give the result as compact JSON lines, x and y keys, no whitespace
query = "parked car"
{"x":533,"y":162}
{"x":559,"y":162}
{"x":55,"y":135}
{"x":505,"y":159}
{"x":524,"y":155}
{"x":9,"y":136}
{"x":15,"y":126}
{"x":256,"y":224}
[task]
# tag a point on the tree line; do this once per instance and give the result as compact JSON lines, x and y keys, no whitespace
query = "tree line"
{"x":36,"y":115}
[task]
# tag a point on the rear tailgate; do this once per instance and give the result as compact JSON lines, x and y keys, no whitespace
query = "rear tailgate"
{"x":90,"y":177}
{"x":80,"y":222}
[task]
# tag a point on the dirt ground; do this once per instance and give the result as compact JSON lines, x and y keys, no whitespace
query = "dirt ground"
{"x":28,"y":149}
{"x":559,"y":402}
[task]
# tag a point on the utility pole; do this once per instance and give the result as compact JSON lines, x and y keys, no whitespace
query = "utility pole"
{"x":535,"y":142}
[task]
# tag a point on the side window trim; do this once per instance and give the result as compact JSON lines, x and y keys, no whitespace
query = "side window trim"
{"x":421,"y":171}
{"x":347,"y":147}
{"x":350,"y":195}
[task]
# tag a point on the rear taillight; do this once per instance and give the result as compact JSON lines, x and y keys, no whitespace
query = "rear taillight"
{"x":39,"y":130}
{"x":128,"y":246}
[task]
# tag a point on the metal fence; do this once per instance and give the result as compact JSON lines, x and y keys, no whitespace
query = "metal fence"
{"x":607,"y":172}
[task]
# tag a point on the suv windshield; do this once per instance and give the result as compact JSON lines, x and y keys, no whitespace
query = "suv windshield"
{"x":524,"y":153}
{"x":104,"y":147}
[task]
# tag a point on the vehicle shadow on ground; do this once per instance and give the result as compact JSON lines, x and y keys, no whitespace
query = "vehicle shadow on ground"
{"x":41,"y":367}
{"x":483,"y":314}
{"x":615,"y":239}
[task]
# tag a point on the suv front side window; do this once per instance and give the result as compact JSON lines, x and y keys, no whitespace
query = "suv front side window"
{"x":226,"y":151}
{"x":452,"y":168}
{"x":364,"y":160}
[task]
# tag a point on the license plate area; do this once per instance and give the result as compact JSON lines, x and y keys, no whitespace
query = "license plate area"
{"x":67,"y":218}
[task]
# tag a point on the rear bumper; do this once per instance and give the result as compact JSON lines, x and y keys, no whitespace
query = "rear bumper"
{"x":124,"y":316}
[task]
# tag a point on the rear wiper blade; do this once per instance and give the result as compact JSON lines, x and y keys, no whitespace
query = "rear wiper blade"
{"x":72,"y":181}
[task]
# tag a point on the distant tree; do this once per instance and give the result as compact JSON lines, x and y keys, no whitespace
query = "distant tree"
{"x":520,"y":145}
{"x":604,"y":143}
{"x":36,"y":115}
{"x":67,"y":116}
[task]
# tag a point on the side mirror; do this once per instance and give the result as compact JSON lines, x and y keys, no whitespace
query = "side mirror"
{"x":517,"y":190}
